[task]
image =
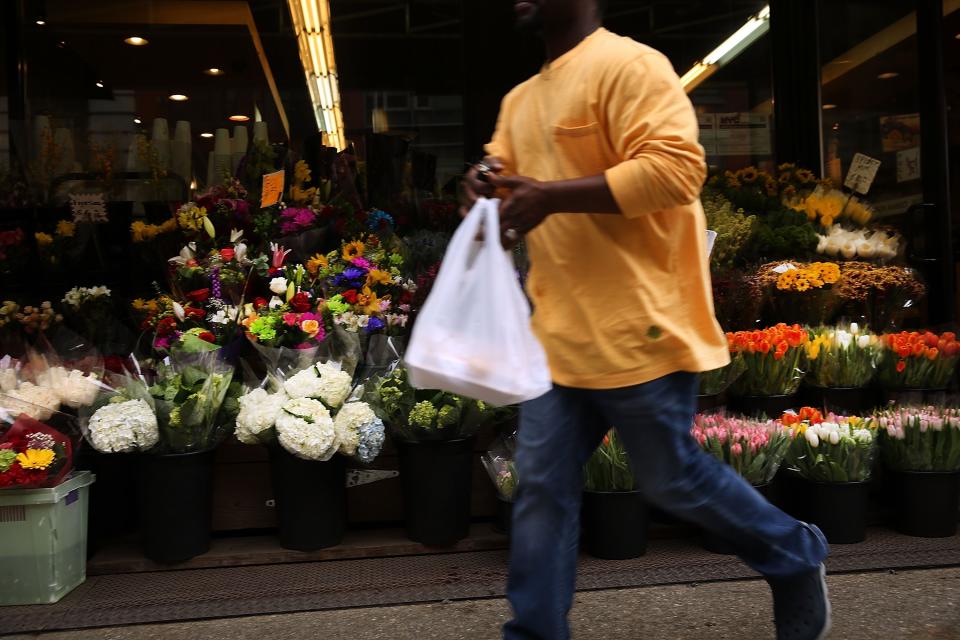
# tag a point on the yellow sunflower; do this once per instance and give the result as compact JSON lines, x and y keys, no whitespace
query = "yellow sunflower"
{"x":36,"y":458}
{"x":353,"y":250}
{"x":317,"y":262}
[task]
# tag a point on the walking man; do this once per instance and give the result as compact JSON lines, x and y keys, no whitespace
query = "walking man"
{"x":599,"y":158}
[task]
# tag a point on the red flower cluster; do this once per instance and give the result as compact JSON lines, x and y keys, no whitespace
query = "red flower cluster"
{"x":778,"y":339}
{"x":913,"y":344}
{"x":806,"y":414}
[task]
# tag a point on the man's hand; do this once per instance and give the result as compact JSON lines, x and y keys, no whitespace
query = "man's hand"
{"x":477,"y":184}
{"x":529,"y":203}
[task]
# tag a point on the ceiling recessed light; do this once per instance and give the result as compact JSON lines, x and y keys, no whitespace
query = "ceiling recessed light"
{"x":206,"y":134}
{"x":213,"y":71}
{"x":136,"y":41}
{"x":178,"y":97}
{"x":100,"y":84}
{"x":137,"y":121}
{"x":239,"y":118}
{"x":889,"y":75}
{"x":828,"y":107}
{"x":41,"y":21}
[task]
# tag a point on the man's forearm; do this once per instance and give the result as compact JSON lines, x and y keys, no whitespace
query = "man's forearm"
{"x":582,"y":195}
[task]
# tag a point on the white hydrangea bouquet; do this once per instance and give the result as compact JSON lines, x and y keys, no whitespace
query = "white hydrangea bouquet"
{"x":124,"y":419}
{"x":312,"y":416}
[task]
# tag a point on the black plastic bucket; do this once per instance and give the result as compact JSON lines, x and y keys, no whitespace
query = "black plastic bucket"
{"x":311,"y":500}
{"x":716,"y":544}
{"x":925,"y":502}
{"x":436,"y":479}
{"x":176,"y":505}
{"x":712,"y":403}
{"x":614,"y":524}
{"x":839,"y":509}
{"x":847,"y":401}
{"x":769,"y":406}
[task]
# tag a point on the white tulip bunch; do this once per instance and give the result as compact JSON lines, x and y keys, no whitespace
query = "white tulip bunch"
{"x":860,"y":243}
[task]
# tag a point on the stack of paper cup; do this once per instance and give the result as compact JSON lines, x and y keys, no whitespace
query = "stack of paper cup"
{"x":220,"y":158}
{"x":161,"y":142}
{"x":238,"y":146}
{"x":180,"y":150}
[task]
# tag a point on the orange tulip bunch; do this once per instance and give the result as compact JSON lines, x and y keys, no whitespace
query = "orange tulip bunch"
{"x":773,"y":358}
{"x":918,"y":360}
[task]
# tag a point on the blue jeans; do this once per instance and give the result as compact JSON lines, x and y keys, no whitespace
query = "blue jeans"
{"x":560,"y":430}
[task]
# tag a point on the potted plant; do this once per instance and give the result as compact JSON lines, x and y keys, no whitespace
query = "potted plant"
{"x":921,"y":449}
{"x":772,"y":375}
{"x":835,"y":459}
{"x":498,"y":462}
{"x":753,"y":448}
{"x":311,"y":429}
{"x":435,"y":434}
{"x":841,"y":363}
{"x":614,"y":516}
{"x":917,"y":367}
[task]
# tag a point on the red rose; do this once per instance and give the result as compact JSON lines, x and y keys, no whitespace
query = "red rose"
{"x":301,"y":302}
{"x":227,"y":254}
{"x":166,"y":326}
{"x":194,"y":313}
{"x":350,"y":296}
{"x":192,"y":262}
{"x":259,"y":303}
{"x":207,"y":337}
{"x":199,"y":295}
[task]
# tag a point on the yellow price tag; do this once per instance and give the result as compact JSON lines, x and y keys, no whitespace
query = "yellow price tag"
{"x":272,"y":189}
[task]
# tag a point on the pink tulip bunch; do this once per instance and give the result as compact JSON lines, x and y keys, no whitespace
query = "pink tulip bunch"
{"x":754,"y":448}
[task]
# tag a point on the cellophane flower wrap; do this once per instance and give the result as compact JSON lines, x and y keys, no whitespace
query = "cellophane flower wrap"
{"x":196,"y":400}
{"x":608,"y":469}
{"x":719,"y":380}
{"x":753,"y":448}
{"x":33,"y":455}
{"x":835,"y":449}
{"x":499,"y":463}
{"x":313,"y":414}
{"x":123,"y":419}
{"x":773,"y":360}
{"x":842,"y":356}
{"x":416,"y":415}
{"x":918,"y":360}
{"x":920,"y":439}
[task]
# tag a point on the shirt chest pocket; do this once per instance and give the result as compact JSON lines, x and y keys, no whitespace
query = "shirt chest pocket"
{"x":581,"y":149}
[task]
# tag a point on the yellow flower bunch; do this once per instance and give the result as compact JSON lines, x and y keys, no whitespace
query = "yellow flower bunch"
{"x":299,"y":194}
{"x":146,"y":306}
{"x":66,"y":229}
{"x":191,"y":217}
{"x":353,"y":250}
{"x":813,"y":347}
{"x":143,"y":232}
{"x":827,"y":206}
{"x":812,"y":276}
{"x":43,"y":239}
{"x":317,"y":262}
{"x":36,"y":458}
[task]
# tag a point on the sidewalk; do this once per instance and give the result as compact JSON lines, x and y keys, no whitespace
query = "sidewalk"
{"x":909,"y":605}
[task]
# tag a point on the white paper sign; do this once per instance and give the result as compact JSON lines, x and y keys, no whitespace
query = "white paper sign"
{"x":88,"y":207}
{"x":863,"y":171}
{"x":908,"y":165}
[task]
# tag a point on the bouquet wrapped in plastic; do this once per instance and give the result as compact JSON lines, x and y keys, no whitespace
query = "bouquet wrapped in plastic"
{"x":842,"y":357}
{"x":753,"y":448}
{"x":416,"y":415}
{"x":920,"y":439}
{"x":32,"y":454}
{"x":124,"y":418}
{"x":773,"y":358}
{"x":719,"y":380}
{"x":498,"y":462}
{"x":838,"y":449}
{"x":196,"y":401}
{"x":313,"y":414}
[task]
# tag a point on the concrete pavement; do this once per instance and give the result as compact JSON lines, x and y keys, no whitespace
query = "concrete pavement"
{"x":911,"y":605}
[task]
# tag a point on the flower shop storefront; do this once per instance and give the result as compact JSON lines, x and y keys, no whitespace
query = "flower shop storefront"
{"x":220,"y":219}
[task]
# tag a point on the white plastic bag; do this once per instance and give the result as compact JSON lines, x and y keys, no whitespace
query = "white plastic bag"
{"x":473,"y":335}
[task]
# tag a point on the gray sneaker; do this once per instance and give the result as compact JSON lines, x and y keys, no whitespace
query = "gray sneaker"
{"x":801,"y":605}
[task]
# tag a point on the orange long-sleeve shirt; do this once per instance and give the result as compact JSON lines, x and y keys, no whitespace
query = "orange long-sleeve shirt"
{"x":618,"y":299}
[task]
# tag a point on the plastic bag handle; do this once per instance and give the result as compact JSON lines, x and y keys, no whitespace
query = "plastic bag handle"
{"x":485,"y":213}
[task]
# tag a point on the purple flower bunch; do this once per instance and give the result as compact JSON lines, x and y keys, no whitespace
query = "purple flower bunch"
{"x":296,"y":219}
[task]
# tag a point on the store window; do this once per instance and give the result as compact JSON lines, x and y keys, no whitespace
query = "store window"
{"x":871,"y":99}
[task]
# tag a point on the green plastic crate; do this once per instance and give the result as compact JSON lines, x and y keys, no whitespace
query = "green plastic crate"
{"x":43,"y":553}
